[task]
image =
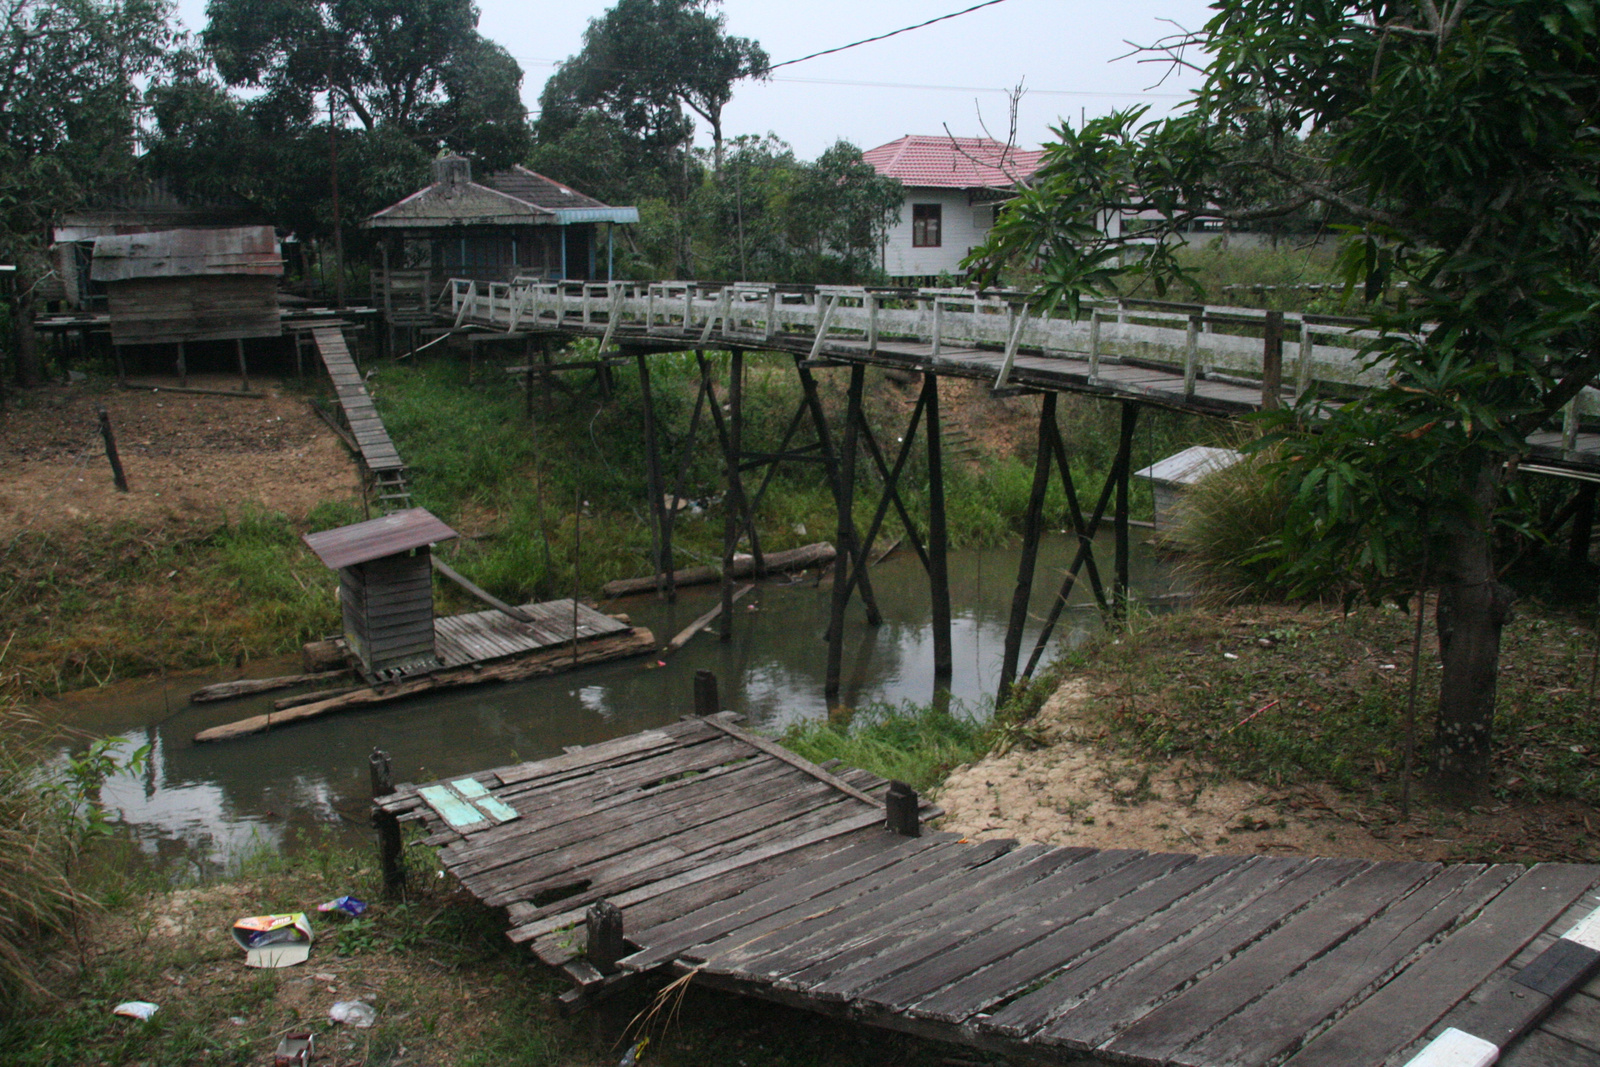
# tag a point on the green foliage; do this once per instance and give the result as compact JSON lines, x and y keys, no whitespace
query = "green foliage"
{"x":1226,"y":524}
{"x":918,"y":745}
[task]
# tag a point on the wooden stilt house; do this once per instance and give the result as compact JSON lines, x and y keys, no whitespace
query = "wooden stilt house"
{"x":386,"y":589}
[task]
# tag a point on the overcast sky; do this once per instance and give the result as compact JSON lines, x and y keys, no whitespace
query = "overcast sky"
{"x":943,"y":75}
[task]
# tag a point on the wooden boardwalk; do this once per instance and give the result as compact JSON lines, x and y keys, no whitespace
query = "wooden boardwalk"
{"x":1208,"y":360}
{"x":378,"y":453}
{"x":749,"y":869}
{"x":484,"y":636}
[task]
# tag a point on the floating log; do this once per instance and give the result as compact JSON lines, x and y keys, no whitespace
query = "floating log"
{"x":633,"y":642}
{"x":743,"y":566}
{"x":703,"y":621}
{"x":312,"y":697}
{"x":246,"y":686}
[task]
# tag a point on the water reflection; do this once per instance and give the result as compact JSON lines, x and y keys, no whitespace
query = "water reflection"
{"x":209,"y":802}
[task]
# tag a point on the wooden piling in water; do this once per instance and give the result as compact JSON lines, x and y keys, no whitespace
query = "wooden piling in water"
{"x":938,"y":539}
{"x":849,"y":553}
{"x":390,"y":854}
{"x":1032,"y":531}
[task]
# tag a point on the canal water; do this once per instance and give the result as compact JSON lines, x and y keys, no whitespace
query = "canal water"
{"x":201,"y":806}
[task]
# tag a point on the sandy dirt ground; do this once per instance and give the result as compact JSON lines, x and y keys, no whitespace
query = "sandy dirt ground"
{"x":1075,"y":790}
{"x":188,"y":457}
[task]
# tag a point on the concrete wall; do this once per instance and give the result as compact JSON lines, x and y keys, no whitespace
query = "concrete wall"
{"x":964,"y":228}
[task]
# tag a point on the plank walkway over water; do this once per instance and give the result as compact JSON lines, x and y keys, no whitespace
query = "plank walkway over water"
{"x":482,"y":636}
{"x":755,"y":871}
{"x":1207,"y":360}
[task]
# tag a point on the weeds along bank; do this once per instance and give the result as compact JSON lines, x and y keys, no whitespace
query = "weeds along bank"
{"x":546,"y":505}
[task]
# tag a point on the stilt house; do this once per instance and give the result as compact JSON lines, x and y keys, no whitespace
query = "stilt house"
{"x":386,"y":589}
{"x":509,"y":224}
{"x":175,"y":286}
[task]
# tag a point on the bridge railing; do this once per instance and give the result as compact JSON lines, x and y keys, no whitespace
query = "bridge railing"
{"x":1200,"y":341}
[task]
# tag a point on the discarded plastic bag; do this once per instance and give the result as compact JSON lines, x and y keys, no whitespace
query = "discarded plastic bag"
{"x":281,"y":940}
{"x":353,"y":1013}
{"x":295,"y":1050}
{"x":136,"y":1009}
{"x":348,"y":905}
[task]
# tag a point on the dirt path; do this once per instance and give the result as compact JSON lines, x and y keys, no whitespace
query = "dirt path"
{"x":1076,"y":790}
{"x":189,"y":457}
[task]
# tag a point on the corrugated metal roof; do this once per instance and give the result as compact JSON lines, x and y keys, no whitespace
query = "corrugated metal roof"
{"x":187,"y":253}
{"x":953,"y":162}
{"x":1190,"y":465}
{"x":536,"y":189}
{"x":388,"y":535}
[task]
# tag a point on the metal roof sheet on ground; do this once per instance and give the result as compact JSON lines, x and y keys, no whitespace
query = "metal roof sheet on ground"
{"x":388,"y":535}
{"x":1190,"y":465}
{"x":953,"y":162}
{"x":187,"y":253}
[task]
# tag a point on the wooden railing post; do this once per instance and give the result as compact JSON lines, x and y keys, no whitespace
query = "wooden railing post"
{"x":1191,"y":356}
{"x":706,"y":699}
{"x":1094,"y":346}
{"x":605,"y":945}
{"x":1302,"y":376}
{"x":390,"y":857}
{"x":900,"y":806}
{"x":1272,"y":362}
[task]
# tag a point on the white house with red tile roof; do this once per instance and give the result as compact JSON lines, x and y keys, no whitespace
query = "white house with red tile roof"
{"x":953,"y":185}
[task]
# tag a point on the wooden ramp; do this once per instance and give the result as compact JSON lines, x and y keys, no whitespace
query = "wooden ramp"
{"x":378,"y":452}
{"x":754,"y":871}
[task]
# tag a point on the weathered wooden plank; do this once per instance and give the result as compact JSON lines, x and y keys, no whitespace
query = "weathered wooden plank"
{"x":1577,"y":1020}
{"x":724,"y":953}
{"x":1279,"y":1020}
{"x":800,"y":763}
{"x":640,"y":746}
{"x":1164,"y":1032}
{"x":1141,"y":942}
{"x":247,"y":686}
{"x":652,"y":871}
{"x":1543,"y":1049}
{"x":851,"y":933}
{"x":1133,"y":992}
{"x":1411,"y":1002}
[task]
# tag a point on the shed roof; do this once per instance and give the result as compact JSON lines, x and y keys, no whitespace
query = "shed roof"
{"x":1190,"y":465}
{"x":187,"y":253}
{"x":517,"y":196}
{"x":953,"y":162}
{"x":387,"y":535}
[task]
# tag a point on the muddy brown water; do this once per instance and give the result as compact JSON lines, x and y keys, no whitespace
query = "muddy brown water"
{"x":203,"y":806}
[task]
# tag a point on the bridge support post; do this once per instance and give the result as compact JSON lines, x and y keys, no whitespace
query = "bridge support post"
{"x":938,"y":539}
{"x":1582,"y":522}
{"x":1124,"y":467}
{"x":735,"y":493}
{"x":848,"y":554}
{"x":652,"y":463}
{"x":1032,"y":530}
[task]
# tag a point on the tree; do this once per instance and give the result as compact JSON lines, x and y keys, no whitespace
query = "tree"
{"x":643,"y":62}
{"x":418,"y":67}
{"x":70,"y":103}
{"x":1457,"y":138}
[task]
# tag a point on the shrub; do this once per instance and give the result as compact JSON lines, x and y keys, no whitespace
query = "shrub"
{"x":1225,"y":522}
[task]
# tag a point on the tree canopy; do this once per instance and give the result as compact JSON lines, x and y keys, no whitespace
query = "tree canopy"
{"x":1456,"y":140}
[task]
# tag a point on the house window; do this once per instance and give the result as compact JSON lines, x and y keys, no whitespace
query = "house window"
{"x":925,"y":219}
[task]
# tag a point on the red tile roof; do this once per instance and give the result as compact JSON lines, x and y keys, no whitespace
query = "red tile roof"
{"x":953,"y":162}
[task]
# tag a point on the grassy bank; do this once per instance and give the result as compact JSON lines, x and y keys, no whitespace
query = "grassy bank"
{"x":548,"y":505}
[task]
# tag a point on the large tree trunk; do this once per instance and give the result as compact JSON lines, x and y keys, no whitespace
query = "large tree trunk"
{"x":1473,"y":607}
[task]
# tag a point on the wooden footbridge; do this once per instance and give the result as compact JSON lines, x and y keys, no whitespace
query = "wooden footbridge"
{"x":1221,"y":362}
{"x":707,"y":853}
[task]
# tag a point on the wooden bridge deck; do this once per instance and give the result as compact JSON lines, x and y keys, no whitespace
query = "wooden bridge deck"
{"x":484,"y":636}
{"x":755,"y":871}
{"x":1176,"y":356}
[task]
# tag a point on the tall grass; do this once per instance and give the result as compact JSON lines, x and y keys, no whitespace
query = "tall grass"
{"x":915,"y":744}
{"x":1224,"y":523}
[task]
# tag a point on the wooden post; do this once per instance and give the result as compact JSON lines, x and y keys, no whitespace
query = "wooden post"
{"x":731,"y":498}
{"x":706,"y":699}
{"x":111,"y":452}
{"x":938,"y":540}
{"x":122,"y":370}
{"x":830,"y":460}
{"x":1272,"y":362}
{"x":605,"y":945}
{"x":844,"y":503}
{"x":900,"y":804}
{"x":1191,"y":356}
{"x":390,"y":857}
{"x":1582,"y":523}
{"x":244,"y":369}
{"x":652,"y":470}
{"x":183,"y":366}
{"x":1032,"y":530}
{"x":1124,"y":465}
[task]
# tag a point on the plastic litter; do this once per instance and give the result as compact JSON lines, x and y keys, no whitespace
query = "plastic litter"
{"x":353,"y":1013}
{"x":274,"y":940}
{"x":631,"y":1058}
{"x":295,"y":1050}
{"x":136,"y":1009}
{"x":348,"y":905}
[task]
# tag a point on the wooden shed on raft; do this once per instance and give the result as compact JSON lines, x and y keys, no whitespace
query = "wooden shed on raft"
{"x":386,"y":589}
{"x":178,"y":286}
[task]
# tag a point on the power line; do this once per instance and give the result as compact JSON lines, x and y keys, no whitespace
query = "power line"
{"x":882,"y":36}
